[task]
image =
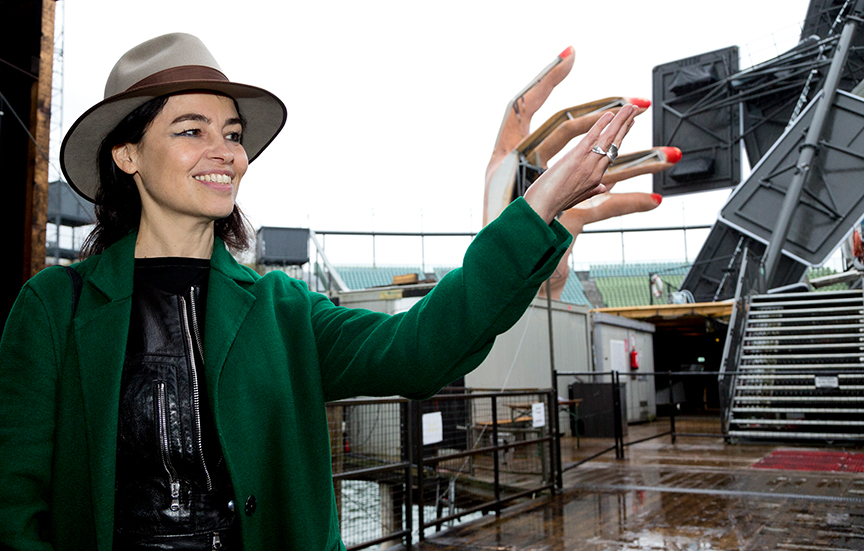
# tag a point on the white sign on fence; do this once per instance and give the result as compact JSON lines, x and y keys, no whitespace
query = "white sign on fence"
{"x":538,"y":415}
{"x":433,"y":428}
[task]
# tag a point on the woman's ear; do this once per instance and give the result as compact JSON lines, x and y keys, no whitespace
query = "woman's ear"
{"x":122,"y":155}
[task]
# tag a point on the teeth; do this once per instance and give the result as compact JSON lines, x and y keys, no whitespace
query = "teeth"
{"x":216,"y":178}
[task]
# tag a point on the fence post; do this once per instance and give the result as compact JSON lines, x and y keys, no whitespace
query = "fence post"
{"x":672,"y":407}
{"x":495,"y":456}
{"x":555,"y":444}
{"x":418,"y":447}
{"x":408,"y":452}
{"x":616,"y":406}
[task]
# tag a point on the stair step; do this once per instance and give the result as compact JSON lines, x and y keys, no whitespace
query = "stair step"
{"x":796,"y":435}
{"x":850,"y":338}
{"x":852,"y":327}
{"x":809,"y":319}
{"x":785,"y":296}
{"x":808,"y":346}
{"x":827,"y":310}
{"x":794,"y":410}
{"x":799,"y":399}
{"x":798,"y":356}
{"x":796,"y":387}
{"x":820,"y":367}
{"x":811,"y":422}
{"x":794,"y":376}
{"x":839,"y":300}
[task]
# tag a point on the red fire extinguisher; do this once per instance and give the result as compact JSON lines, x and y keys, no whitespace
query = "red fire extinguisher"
{"x":634,"y":359}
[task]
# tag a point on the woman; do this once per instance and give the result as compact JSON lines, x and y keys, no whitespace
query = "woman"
{"x":177,"y":400}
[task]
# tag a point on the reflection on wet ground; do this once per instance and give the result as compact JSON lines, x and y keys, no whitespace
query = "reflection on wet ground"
{"x":697,"y":494}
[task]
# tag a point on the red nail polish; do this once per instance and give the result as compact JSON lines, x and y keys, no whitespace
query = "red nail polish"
{"x":566,"y":53}
{"x":641,"y":103}
{"x":673,"y":154}
{"x":657,"y":198}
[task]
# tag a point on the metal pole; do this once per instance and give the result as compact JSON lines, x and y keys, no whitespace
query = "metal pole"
{"x":672,"y":407}
{"x":616,"y":409}
{"x":808,"y":150}
{"x":409,"y":478}
{"x":553,"y":411}
{"x":495,"y":455}
{"x":555,"y":445}
{"x":418,"y":446}
{"x":551,"y":338}
{"x":423,"y":254}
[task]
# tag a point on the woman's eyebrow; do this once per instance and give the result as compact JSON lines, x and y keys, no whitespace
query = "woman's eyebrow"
{"x":191,"y":117}
{"x":201,"y":118}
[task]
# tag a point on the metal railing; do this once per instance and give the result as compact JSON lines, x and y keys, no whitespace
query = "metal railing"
{"x":402,"y":468}
{"x":748,"y":275}
{"x":604,"y":395}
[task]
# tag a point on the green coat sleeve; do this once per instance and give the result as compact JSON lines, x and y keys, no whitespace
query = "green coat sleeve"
{"x":29,"y":360}
{"x":451,"y":330}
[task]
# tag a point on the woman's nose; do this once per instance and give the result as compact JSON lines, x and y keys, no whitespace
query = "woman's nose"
{"x":221,"y":150}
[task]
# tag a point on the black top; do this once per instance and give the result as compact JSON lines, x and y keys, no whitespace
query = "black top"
{"x":176,"y":275}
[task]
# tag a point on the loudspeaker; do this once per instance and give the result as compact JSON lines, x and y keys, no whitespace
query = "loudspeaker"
{"x":282,"y":246}
{"x":692,"y":112}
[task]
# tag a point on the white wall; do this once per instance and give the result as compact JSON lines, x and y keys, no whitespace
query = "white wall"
{"x":612,"y":345}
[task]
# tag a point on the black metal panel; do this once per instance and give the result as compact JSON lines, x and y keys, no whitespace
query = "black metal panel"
{"x":772,"y":90}
{"x":772,"y":93}
{"x":596,"y":415}
{"x":282,"y":246}
{"x":832,"y":200}
{"x":690,"y":113}
{"x":713,"y":275}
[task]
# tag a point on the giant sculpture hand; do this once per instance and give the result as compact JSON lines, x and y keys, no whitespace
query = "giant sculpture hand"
{"x":517,"y":150}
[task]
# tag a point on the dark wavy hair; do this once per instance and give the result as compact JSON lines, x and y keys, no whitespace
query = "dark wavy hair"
{"x":118,"y":204}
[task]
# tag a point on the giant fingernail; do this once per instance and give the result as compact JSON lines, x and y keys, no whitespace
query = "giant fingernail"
{"x":641,"y":103}
{"x":657,"y":198}
{"x":566,"y":53}
{"x":673,"y":154}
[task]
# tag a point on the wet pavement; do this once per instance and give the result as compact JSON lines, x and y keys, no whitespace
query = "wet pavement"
{"x":697,"y":494}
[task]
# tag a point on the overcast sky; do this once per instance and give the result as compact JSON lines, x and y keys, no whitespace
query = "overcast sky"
{"x":393,"y":107}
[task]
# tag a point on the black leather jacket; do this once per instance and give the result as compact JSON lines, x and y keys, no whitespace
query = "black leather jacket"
{"x":173,"y":490}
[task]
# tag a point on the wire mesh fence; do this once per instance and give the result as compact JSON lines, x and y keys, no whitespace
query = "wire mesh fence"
{"x":404,"y":469}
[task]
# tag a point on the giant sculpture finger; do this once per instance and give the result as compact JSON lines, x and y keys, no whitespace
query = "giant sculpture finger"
{"x":641,"y":162}
{"x":520,"y":157}
{"x":530,"y":153}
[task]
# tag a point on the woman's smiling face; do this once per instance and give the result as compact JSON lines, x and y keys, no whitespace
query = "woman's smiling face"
{"x":190,"y":161}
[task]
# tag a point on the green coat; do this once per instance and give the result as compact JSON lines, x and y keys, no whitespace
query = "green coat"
{"x":274,"y":354}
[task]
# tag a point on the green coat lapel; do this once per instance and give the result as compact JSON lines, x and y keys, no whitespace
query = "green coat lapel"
{"x":228,"y":304}
{"x":101,"y":328}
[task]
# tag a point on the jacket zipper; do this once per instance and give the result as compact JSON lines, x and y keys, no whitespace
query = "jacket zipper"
{"x":217,"y":541}
{"x":162,"y":416}
{"x":196,"y":407}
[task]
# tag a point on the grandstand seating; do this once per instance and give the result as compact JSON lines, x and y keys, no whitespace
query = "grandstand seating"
{"x":363,"y":277}
{"x":620,"y":285}
{"x":574,"y":291}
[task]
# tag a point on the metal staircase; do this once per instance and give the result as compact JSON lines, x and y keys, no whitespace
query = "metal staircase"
{"x":800,"y":372}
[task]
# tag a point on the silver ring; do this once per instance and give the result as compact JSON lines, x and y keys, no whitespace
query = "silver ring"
{"x":612,"y":153}
{"x":596,"y":149}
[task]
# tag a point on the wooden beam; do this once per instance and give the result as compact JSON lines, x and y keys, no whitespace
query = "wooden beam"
{"x":40,"y":127}
{"x":707,"y":309}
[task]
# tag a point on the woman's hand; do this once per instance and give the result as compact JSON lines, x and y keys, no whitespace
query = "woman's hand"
{"x":576,"y":177}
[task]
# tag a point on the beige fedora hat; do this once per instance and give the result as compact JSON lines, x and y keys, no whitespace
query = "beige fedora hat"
{"x":166,"y":64}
